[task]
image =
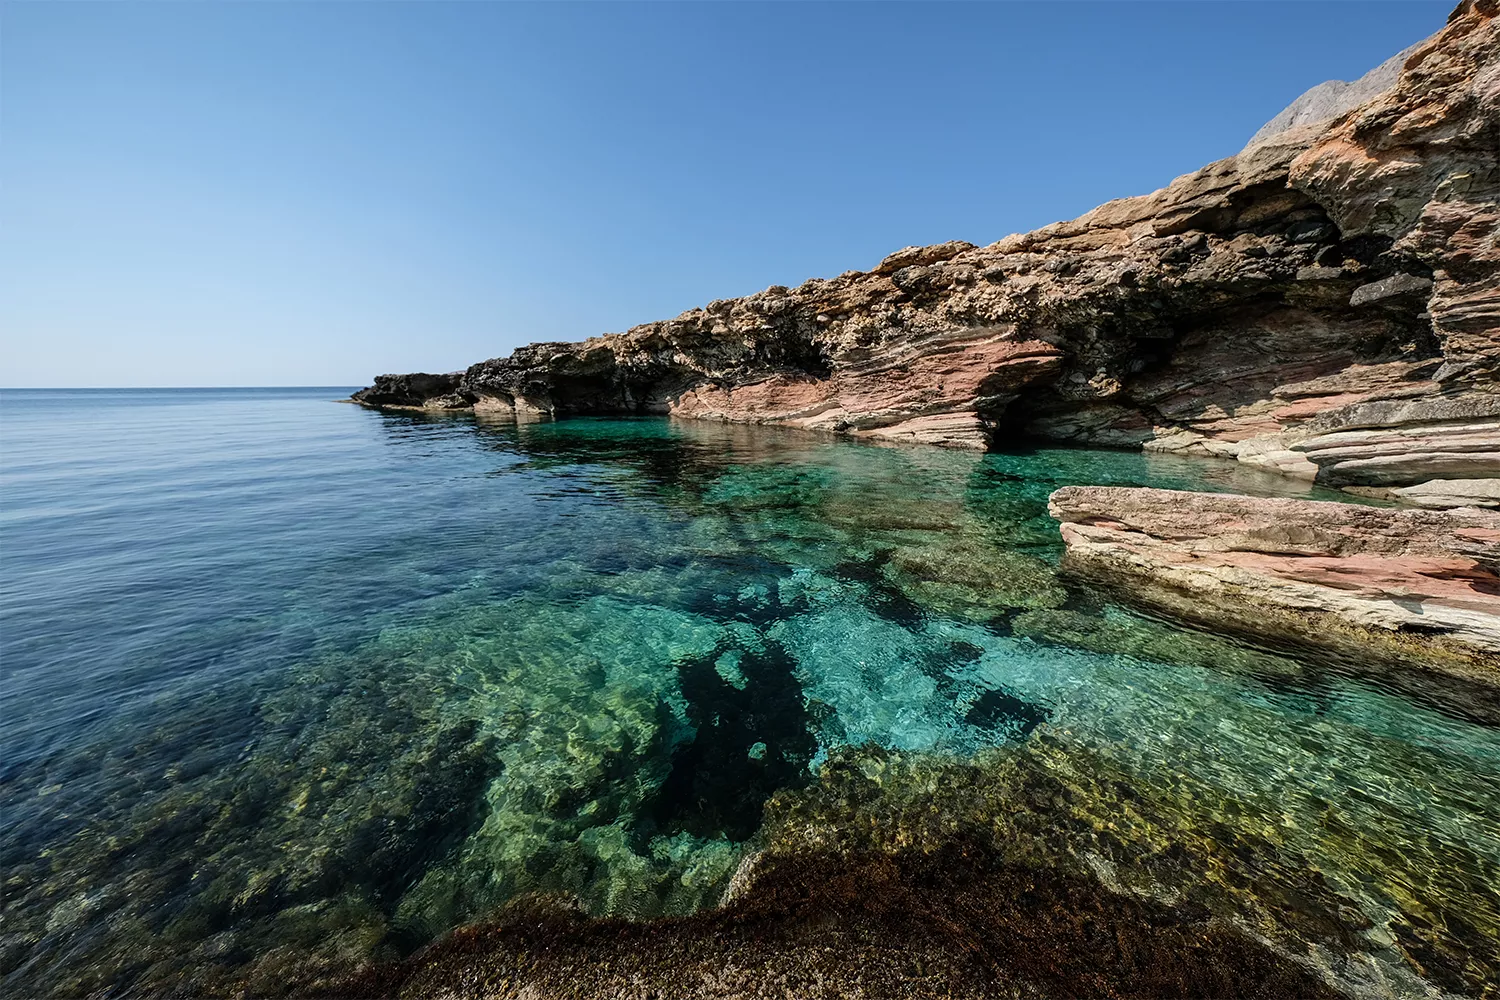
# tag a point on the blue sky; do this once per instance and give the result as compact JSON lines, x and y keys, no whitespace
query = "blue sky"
{"x":301,"y":193}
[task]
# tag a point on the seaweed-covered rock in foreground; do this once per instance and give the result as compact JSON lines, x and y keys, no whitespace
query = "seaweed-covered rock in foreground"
{"x":1417,"y":587}
{"x":958,"y":922}
{"x":1324,"y":304}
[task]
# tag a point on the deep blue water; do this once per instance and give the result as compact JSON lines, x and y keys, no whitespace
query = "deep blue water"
{"x":289,"y":684}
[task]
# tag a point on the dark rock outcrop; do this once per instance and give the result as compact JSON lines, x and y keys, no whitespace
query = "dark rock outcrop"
{"x":419,"y":390}
{"x":1336,"y":277}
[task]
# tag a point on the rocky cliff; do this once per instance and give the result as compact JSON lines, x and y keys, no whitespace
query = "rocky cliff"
{"x":1326,"y":304}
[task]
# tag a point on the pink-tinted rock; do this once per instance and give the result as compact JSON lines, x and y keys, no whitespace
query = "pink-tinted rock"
{"x":1418,"y":587}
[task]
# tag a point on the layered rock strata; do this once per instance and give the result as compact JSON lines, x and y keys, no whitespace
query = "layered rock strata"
{"x":1325,"y":304}
{"x":1415,"y":587}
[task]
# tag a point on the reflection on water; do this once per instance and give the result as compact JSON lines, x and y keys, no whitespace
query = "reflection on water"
{"x":292,"y":685}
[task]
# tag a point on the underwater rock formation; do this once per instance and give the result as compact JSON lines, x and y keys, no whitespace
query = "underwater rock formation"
{"x":1414,"y":586}
{"x":1325,"y":304}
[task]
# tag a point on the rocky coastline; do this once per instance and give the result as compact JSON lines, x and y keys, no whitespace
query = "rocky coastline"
{"x":1324,"y":305}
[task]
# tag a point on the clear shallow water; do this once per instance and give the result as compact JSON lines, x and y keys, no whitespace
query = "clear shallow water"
{"x":289,"y":685}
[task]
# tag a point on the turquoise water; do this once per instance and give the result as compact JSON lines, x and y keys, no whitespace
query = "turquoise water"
{"x":290,"y":685}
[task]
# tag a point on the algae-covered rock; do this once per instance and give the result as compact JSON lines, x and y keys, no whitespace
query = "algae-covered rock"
{"x":959,"y":922}
{"x":974,"y":583}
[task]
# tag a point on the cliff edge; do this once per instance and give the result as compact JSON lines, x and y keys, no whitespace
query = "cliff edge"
{"x":1325,"y":304}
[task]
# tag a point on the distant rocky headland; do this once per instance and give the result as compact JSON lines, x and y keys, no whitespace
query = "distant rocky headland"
{"x":1324,"y":305}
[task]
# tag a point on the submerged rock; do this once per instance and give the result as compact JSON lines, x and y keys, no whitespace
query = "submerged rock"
{"x":1417,"y":587}
{"x":1346,"y":256}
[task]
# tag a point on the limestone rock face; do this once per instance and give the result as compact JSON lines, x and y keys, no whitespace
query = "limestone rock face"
{"x":1333,"y":97}
{"x":1254,"y":309}
{"x":1396,"y":441}
{"x":1452,"y":493}
{"x":1415,"y":587}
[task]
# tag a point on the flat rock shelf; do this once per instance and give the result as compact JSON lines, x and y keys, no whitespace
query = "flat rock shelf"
{"x":1415,"y":588}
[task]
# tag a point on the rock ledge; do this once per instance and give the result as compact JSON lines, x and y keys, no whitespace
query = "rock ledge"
{"x":1409,"y":587}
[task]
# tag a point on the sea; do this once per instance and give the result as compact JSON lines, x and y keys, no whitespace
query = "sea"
{"x":288,"y":685}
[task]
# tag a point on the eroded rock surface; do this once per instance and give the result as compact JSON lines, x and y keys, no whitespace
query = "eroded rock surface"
{"x":1418,"y":587}
{"x":1324,"y":304}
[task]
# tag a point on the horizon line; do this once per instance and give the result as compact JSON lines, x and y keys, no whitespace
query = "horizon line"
{"x":149,"y":388}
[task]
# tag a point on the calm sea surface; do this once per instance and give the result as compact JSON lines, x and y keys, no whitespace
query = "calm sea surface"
{"x":289,"y":685}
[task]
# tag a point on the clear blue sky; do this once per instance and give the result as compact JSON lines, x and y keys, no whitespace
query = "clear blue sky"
{"x":300,"y":193}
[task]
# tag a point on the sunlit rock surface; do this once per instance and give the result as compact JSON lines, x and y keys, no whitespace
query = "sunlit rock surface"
{"x":1417,"y":586}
